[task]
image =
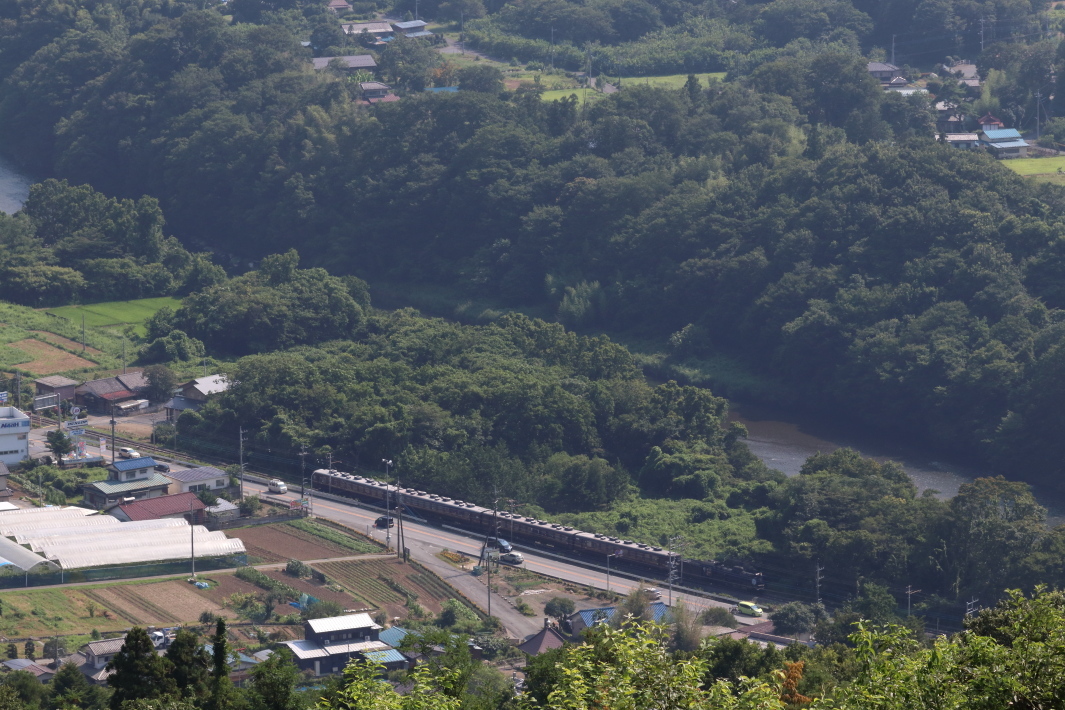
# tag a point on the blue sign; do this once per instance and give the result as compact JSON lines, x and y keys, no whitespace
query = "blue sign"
{"x":76,"y":432}
{"x":3,"y":396}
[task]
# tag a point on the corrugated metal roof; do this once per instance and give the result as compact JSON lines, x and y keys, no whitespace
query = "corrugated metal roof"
{"x":393,"y":636}
{"x":106,"y":647}
{"x":203,"y":473}
{"x":423,"y":33}
{"x":57,"y":381}
{"x":342,"y":623}
{"x":115,"y":487}
{"x":133,"y":464}
{"x":304,"y":649}
{"x":1001,"y":133}
{"x":410,"y":24}
{"x":588,"y":616}
{"x":153,"y":508}
{"x":354,"y":61}
{"x":1008,"y":144}
{"x":389,"y":656}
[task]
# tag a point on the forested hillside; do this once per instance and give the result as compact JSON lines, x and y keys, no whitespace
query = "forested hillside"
{"x":796,"y":217}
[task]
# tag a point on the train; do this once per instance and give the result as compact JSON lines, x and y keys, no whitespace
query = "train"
{"x":530,"y":530}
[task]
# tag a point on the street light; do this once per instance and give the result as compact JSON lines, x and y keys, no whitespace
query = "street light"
{"x":613,"y":554}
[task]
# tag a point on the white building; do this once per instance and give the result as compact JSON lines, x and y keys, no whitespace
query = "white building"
{"x":14,"y":435}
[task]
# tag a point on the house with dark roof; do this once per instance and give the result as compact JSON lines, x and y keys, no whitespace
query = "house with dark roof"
{"x":56,"y":384}
{"x":882,"y":71}
{"x":586,"y":618}
{"x":182,"y":505}
{"x":412,"y":28}
{"x":374,"y":29}
{"x":40,"y":671}
{"x":340,"y":7}
{"x":350,"y":63}
{"x":547,"y":639}
{"x":100,"y":395}
{"x":127,"y":481}
{"x":194,"y":480}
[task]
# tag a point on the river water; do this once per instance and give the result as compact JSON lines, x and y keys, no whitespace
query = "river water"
{"x":14,"y":187}
{"x":784,"y":442}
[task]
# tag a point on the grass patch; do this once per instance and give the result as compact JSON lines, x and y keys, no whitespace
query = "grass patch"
{"x":1035,"y":166}
{"x":584,"y":95}
{"x":115,"y":313}
{"x":671,"y":81}
{"x":337,"y":537}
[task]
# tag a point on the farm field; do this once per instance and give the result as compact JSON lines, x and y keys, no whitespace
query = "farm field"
{"x":1036,"y":166}
{"x":281,"y":542}
{"x":159,"y":603}
{"x":45,"y":359}
{"x":583,"y":95}
{"x":115,"y":313}
{"x":387,"y":583}
{"x":65,"y":342}
{"x":318,"y":591}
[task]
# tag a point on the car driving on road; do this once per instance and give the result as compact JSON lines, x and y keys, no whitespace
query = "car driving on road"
{"x":511,"y":558}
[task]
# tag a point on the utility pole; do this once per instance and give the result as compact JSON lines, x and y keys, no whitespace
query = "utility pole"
{"x":83,"y":332}
{"x":818,"y":569}
{"x":893,"y":49}
{"x":240,"y":431}
{"x":1038,"y":105}
{"x":303,"y":470}
{"x":401,"y":538}
{"x":18,"y":389}
{"x":123,"y":354}
{"x":113,"y":422}
{"x":910,"y":591}
{"x":388,"y":510}
{"x":192,"y":541}
{"x":613,"y":554}
{"x":981,"y":34}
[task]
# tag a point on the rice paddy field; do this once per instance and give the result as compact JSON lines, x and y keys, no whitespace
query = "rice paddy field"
{"x":115,"y":313}
{"x":671,"y":81}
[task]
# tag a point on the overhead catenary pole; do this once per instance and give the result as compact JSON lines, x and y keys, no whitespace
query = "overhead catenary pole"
{"x":241,"y":434}
{"x":818,"y":569}
{"x":303,"y":470}
{"x":388,"y":510}
{"x":192,"y":540}
{"x":401,"y":538}
{"x":910,"y":591}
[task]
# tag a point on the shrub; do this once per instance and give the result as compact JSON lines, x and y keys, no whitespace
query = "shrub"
{"x":296,"y":568}
{"x":719,"y":616}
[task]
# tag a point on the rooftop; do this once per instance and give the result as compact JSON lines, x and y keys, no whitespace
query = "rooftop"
{"x":221,"y":506}
{"x":998,"y":134}
{"x":203,"y":473}
{"x":881,"y":66}
{"x":153,"y":508}
{"x":133,"y":464}
{"x":56,"y":381}
{"x":962,"y":137}
{"x":114,"y":387}
{"x":588,"y":616}
{"x":212,"y":384}
{"x":111,"y":488}
{"x":410,"y":24}
{"x":354,"y":61}
{"x":422,"y":33}
{"x":1010,"y":144}
{"x":179,"y":403}
{"x":547,"y":639}
{"x":371,"y":27}
{"x":105,"y":647}
{"x":389,"y":656}
{"x":305,"y":649}
{"x":350,"y":622}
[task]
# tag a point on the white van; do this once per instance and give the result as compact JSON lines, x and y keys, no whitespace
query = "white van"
{"x":277,"y":486}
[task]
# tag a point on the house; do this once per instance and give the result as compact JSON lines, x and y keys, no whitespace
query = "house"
{"x":351,"y":63}
{"x":375,"y":29}
{"x":330,"y":643}
{"x":967,"y":75}
{"x":99,"y":395}
{"x":1004,"y":143}
{"x":194,"y":394}
{"x":99,"y":653}
{"x":14,"y":435}
{"x":374,"y":90}
{"x":41,"y":672}
{"x":56,"y":384}
{"x":4,"y":490}
{"x":883,"y":72}
{"x":178,"y":404}
{"x":222,"y":511}
{"x":126,"y":481}
{"x":586,"y":618}
{"x":989,"y":122}
{"x":340,"y":7}
{"x":948,"y":118}
{"x":182,"y":505}
{"x":413,"y":28}
{"x":547,"y":639}
{"x":962,"y":140}
{"x":194,"y":480}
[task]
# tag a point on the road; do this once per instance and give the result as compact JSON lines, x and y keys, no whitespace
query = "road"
{"x":427,"y":541}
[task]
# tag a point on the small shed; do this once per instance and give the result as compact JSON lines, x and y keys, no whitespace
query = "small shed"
{"x":222,"y":511}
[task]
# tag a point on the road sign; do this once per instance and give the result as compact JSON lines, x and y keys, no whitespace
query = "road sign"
{"x":76,"y":424}
{"x":293,"y":504}
{"x":46,"y":401}
{"x":75,"y":432}
{"x":75,"y":411}
{"x":3,"y":396}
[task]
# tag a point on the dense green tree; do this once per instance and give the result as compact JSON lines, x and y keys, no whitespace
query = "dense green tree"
{"x":273,"y":683}
{"x":138,"y":672}
{"x":161,"y":382}
{"x":191,"y":664}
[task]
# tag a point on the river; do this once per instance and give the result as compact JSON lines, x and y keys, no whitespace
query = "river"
{"x":784,"y":444}
{"x":14,"y":187}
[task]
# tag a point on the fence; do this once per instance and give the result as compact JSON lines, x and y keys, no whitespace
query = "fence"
{"x":103,"y":574}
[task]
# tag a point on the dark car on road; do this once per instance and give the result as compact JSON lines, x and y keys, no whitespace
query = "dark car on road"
{"x":164,"y":467}
{"x":385,"y":521}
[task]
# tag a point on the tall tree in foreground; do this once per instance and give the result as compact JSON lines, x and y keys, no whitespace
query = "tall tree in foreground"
{"x":138,"y":671}
{"x":191,"y":662}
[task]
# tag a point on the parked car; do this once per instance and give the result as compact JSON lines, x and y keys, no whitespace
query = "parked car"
{"x":511,"y":558}
{"x":749,"y":608}
{"x":385,"y":521}
{"x":277,"y":486}
{"x":164,"y":467}
{"x":127,"y":453}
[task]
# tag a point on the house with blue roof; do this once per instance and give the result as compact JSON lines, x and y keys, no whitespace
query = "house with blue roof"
{"x":586,"y":618}
{"x":127,"y":481}
{"x":1004,"y":142}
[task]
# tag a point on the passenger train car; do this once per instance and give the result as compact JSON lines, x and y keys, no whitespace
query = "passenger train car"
{"x":529,"y":530}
